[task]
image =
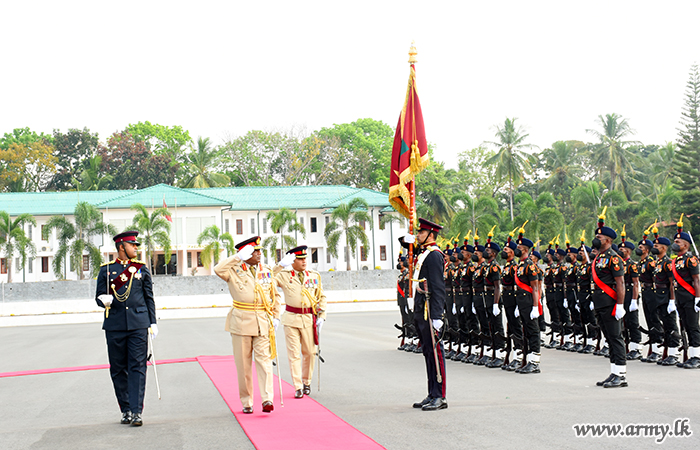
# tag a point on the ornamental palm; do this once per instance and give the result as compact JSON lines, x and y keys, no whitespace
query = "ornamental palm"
{"x":279,"y":221}
{"x":74,"y":239}
{"x":12,"y":238}
{"x":345,"y":219}
{"x":215,"y":240}
{"x":154,"y":229}
{"x":197,"y":165}
{"x":511,"y":162}
{"x":612,"y":154}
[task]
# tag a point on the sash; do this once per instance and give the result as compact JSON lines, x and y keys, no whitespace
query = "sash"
{"x":398,"y":287}
{"x":604,"y":287}
{"x":527,"y":288}
{"x":419,"y":264}
{"x":681,"y":281}
{"x":123,"y":277}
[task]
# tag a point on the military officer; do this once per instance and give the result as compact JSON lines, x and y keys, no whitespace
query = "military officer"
{"x":608,"y":297}
{"x":686,"y":273}
{"x":571,"y":296}
{"x":492,"y":297}
{"x":631,"y":318}
{"x":127,"y":323}
{"x":252,"y":320}
{"x":584,"y":295}
{"x":428,"y":313}
{"x":665,"y":298}
{"x":472,"y":323}
{"x":401,"y":294}
{"x":559,"y":275}
{"x":529,"y":304}
{"x":551,"y":295}
{"x":647,"y":267}
{"x":305,"y":313}
{"x":515,"y":330}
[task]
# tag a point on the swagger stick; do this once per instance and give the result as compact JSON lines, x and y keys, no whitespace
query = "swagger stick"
{"x":318,"y":360}
{"x":279,"y":375}
{"x":153,"y":361}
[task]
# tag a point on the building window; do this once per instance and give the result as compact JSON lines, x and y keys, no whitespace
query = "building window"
{"x":3,"y":265}
{"x":345,"y":254}
{"x":314,"y":227}
{"x":226,"y":227}
{"x":314,"y":256}
{"x":30,"y":265}
{"x":264,"y":226}
{"x":17,"y":265}
{"x":29,"y":232}
{"x":301,"y":221}
{"x":86,"y":263}
{"x":382,"y":225}
{"x":189,"y":260}
{"x":328,"y":219}
{"x":328,"y":257}
{"x":199,"y":259}
{"x":363,"y":253}
{"x":278,"y":255}
{"x":382,"y":252}
{"x":239,"y":226}
{"x":44,"y":264}
{"x":252,"y":226}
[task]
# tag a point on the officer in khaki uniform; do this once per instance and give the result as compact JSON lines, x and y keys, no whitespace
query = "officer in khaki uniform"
{"x":304,"y":316}
{"x":252,"y":320}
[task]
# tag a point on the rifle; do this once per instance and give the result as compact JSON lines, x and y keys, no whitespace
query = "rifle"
{"x":684,"y":338}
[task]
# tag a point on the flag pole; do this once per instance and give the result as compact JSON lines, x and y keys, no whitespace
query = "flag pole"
{"x":412,"y":59}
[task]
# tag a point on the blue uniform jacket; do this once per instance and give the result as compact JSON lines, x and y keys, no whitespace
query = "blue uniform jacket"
{"x":139,"y":309}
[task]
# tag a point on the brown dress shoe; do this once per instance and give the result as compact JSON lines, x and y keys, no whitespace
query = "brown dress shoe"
{"x":298,"y":394}
{"x":247,"y":410}
{"x":268,"y":407}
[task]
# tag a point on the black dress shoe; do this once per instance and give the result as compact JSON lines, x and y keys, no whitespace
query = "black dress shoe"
{"x":605,"y":352}
{"x":652,"y":358}
{"x":634,"y":355}
{"x":482,"y":362}
{"x":307,"y":389}
{"x":495,"y":363}
{"x":588,"y":349}
{"x":449,"y":354}
{"x":422,"y":403}
{"x":617,"y":381}
{"x":268,"y":407}
{"x":515,"y":365}
{"x":470,"y":359}
{"x":435,"y":404}
{"x":136,"y":421}
{"x":298,"y":394}
{"x":601,"y":383}
{"x":692,"y":363}
{"x":402,"y":347}
{"x":530,"y":368}
{"x":576,"y":348}
{"x":458,"y":356}
{"x":247,"y":410}
{"x":669,"y":361}
{"x":126,"y":418}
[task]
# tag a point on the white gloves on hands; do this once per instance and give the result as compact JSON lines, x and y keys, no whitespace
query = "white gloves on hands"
{"x":437,"y":324}
{"x":454,"y":309}
{"x":697,"y":304}
{"x":517,"y":312}
{"x":409,"y":239}
{"x":106,"y":299}
{"x":578,"y":308}
{"x":153,"y":330}
{"x":473,"y":310}
{"x":633,"y":305}
{"x":619,"y":311}
{"x":319,"y":323}
{"x":496,"y":309}
{"x":275,"y":323}
{"x":591,"y":306}
{"x":409,"y":300}
{"x":461,"y":309}
{"x":566,"y":303}
{"x":535,"y":313}
{"x":287,"y":260}
{"x":671,"y":306}
{"x":245,"y":253}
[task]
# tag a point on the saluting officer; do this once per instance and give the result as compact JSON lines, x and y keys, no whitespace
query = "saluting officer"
{"x":126,"y":323}
{"x":305,"y":305}
{"x":686,"y":272}
{"x":252,"y":320}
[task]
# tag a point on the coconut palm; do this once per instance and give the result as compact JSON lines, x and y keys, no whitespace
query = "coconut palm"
{"x":544,"y":219}
{"x":481,"y":213}
{"x":345,"y":220}
{"x":75,"y":239}
{"x":279,"y":221}
{"x":198,"y":164}
{"x":12,"y":237}
{"x":26,"y":249}
{"x":216,"y":242}
{"x":511,"y":162}
{"x":589,"y":199}
{"x":154,"y":229}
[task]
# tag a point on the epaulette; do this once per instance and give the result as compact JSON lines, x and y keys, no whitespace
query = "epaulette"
{"x":138,"y":261}
{"x":109,"y":262}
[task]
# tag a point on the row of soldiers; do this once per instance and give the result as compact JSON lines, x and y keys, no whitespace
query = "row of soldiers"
{"x":479,"y":289}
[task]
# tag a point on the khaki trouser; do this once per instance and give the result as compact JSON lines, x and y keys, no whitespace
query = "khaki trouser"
{"x":243,"y":349}
{"x":300,"y":340}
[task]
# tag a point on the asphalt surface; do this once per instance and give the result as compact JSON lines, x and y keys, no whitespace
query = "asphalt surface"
{"x":365,"y":381}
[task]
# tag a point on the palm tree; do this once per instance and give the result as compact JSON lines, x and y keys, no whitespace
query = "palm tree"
{"x":279,"y":220}
{"x":215,"y":240}
{"x":588,"y":201}
{"x":345,"y":219}
{"x":435,"y":187}
{"x":612,"y":154}
{"x":661,"y":162}
{"x":12,"y":237}
{"x":198,"y":164}
{"x":74,"y":239}
{"x":90,"y":178}
{"x":511,"y":162}
{"x":544,"y":219}
{"x":563,"y":163}
{"x":26,"y":250}
{"x":477,"y":214}
{"x":154,"y":229}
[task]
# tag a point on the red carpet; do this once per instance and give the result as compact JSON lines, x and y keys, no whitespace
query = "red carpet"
{"x":302,"y":423}
{"x":80,"y":368}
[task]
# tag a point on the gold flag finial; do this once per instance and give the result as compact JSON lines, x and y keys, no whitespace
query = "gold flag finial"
{"x":413,"y":53}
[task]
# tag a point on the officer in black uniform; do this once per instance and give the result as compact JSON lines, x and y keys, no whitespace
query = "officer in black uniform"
{"x":468,"y":299}
{"x":551,"y":295}
{"x":126,"y":324}
{"x":401,"y":294}
{"x":452,"y":326}
{"x":687,"y":279}
{"x":458,"y":309}
{"x":571,"y":296}
{"x":666,"y":299}
{"x":583,"y":281}
{"x":515,"y":330}
{"x":647,"y":267}
{"x":559,"y":275}
{"x":527,"y":297}
{"x":428,"y":313}
{"x":492,"y":297}
{"x":631,"y":318}
{"x":608,"y":297}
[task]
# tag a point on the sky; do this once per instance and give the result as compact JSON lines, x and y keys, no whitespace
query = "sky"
{"x":222,"y":68}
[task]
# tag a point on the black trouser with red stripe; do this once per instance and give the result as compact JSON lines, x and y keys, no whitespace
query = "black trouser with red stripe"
{"x":435,"y":389}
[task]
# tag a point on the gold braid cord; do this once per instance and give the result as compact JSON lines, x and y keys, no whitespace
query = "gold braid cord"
{"x":122,"y":297}
{"x":268,"y":309}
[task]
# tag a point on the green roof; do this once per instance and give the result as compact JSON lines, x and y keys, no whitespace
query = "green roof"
{"x":51,"y":203}
{"x":155,"y":195}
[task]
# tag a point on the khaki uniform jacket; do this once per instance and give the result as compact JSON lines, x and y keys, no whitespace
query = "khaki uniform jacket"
{"x":241,"y":285}
{"x":288,"y":280}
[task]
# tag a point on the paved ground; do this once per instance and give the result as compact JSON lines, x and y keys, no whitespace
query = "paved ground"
{"x":365,"y":381}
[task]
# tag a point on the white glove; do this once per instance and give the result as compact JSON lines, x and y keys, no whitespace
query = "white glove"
{"x":577,"y":307}
{"x":517,"y":312}
{"x":106,"y":299}
{"x":288,"y":260}
{"x":319,"y":323}
{"x":697,"y":304}
{"x":619,"y":311}
{"x":409,"y":300}
{"x":153,"y":330}
{"x":535,"y":313}
{"x":591,"y":306}
{"x":409,"y":239}
{"x":473,"y":310}
{"x":454,"y":309}
{"x":437,"y":324}
{"x":275,"y":323}
{"x":461,"y":309}
{"x":671,"y":306}
{"x":496,"y":309}
{"x":633,"y":305}
{"x":245,"y":253}
{"x":566,"y":303}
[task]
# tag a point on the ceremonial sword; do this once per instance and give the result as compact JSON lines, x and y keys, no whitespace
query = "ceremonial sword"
{"x":153,"y":361}
{"x":432,"y":330}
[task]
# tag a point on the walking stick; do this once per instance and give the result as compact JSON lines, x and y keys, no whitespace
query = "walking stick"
{"x":152,"y":356}
{"x":279,"y":375}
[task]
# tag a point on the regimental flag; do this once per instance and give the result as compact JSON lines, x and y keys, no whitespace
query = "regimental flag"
{"x":409,"y":155}
{"x":168,"y":218}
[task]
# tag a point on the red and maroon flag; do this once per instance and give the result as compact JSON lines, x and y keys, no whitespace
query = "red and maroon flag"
{"x":167,"y":217}
{"x":410,"y":151}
